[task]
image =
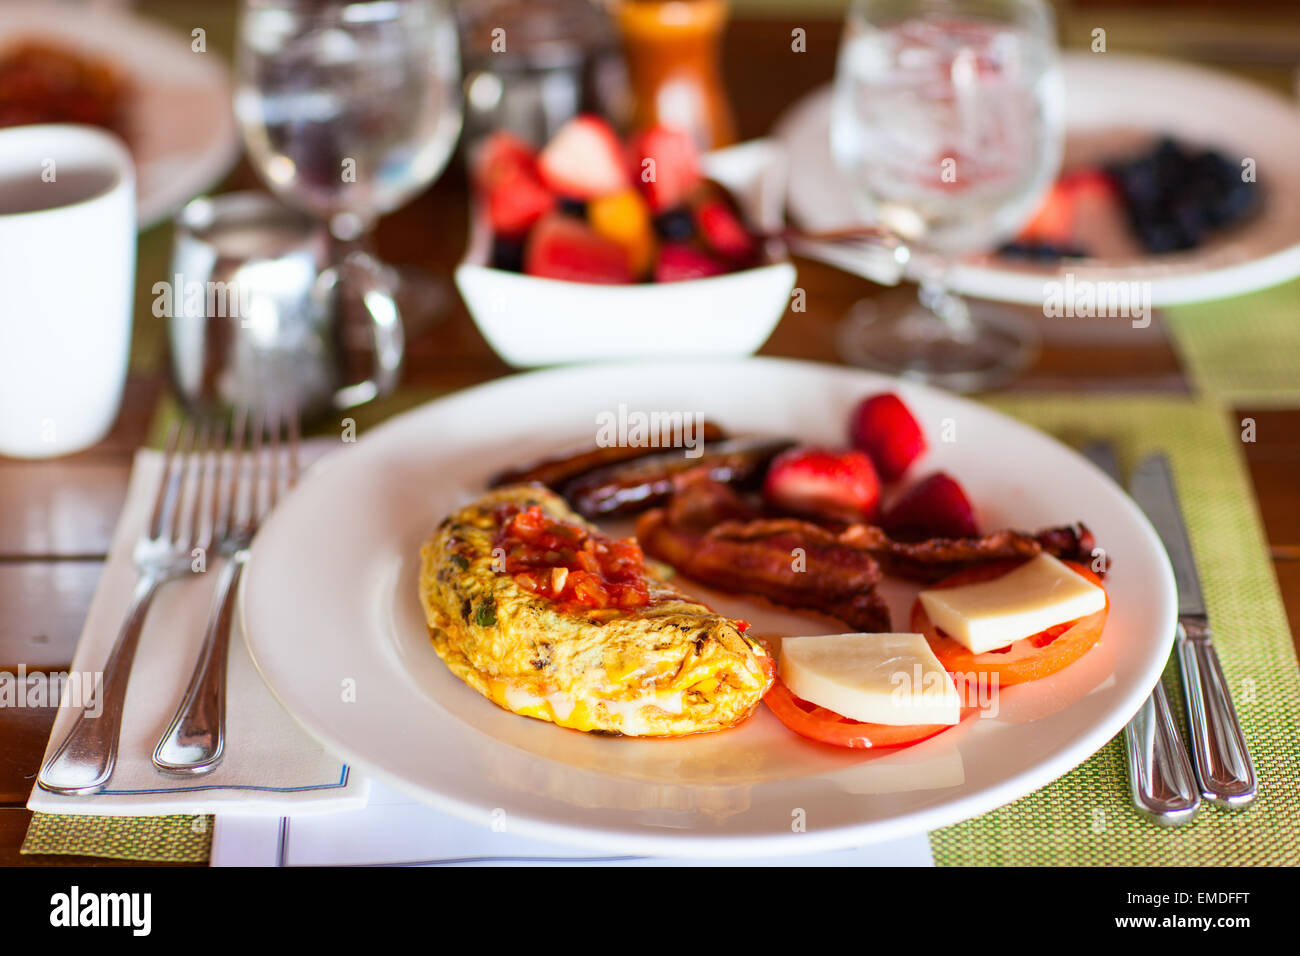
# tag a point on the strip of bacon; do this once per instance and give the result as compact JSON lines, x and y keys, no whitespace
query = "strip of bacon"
{"x":788,"y":568}
{"x":930,"y":560}
{"x":710,"y":534}
{"x":556,"y":471}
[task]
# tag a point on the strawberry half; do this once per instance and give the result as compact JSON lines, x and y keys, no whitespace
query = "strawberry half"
{"x":823,"y":483}
{"x":583,"y":159}
{"x":1054,"y":220}
{"x":678,"y":262}
{"x":561,"y":247}
{"x":885,"y":429}
{"x":501,"y":154}
{"x":665,"y":166}
{"x":1089,"y":182}
{"x":516,"y":201}
{"x":935,"y":507}
{"x":723,"y":231}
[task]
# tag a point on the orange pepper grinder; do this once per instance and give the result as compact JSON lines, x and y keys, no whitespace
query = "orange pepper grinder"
{"x":674,"y":50}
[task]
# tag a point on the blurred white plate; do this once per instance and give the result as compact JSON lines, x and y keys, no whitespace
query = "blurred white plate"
{"x":182,"y":130}
{"x":1115,"y":103}
{"x":334,"y":624}
{"x":531,"y":321}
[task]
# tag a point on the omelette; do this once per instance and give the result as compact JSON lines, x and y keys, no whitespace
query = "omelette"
{"x":548,"y":617}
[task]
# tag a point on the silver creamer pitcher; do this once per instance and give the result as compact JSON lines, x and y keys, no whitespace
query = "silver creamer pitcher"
{"x":258,"y":318}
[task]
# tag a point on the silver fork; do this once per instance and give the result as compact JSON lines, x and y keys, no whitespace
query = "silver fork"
{"x":194,"y":742}
{"x":84,"y":761}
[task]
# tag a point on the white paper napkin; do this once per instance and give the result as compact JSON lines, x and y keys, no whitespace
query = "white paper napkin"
{"x":271,"y":765}
{"x":395,"y":830}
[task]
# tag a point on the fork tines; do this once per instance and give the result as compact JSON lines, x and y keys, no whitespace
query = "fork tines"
{"x":263,"y":463}
{"x":216,"y":484}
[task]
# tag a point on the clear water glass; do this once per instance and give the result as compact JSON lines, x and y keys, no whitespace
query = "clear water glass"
{"x":349,"y":108}
{"x":948,"y":121}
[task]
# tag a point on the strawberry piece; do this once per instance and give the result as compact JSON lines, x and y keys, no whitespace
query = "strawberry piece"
{"x":561,"y":247}
{"x":1054,"y":220}
{"x":883,"y":427}
{"x":823,"y":483}
{"x":665,"y":165}
{"x":1089,"y":182}
{"x":583,"y":159}
{"x":678,"y":261}
{"x":500,"y":155}
{"x":936,"y":507}
{"x":516,"y":201}
{"x":723,"y":231}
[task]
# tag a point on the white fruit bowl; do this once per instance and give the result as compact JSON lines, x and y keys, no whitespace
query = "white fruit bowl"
{"x":530,"y":321}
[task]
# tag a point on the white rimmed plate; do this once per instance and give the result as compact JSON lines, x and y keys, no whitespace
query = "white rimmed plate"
{"x":182,"y":131}
{"x":1115,"y":105}
{"x":334,"y":624}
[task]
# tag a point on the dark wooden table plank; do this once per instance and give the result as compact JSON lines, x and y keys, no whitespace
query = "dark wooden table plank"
{"x":1274,"y":461}
{"x":45,"y":604}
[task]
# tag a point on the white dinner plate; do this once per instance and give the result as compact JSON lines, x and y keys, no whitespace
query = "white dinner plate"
{"x":1116,"y":105}
{"x":182,"y":130}
{"x":335,"y":626}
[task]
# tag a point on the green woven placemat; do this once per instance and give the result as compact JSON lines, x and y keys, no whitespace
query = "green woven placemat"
{"x":1085,"y":818}
{"x":171,"y":839}
{"x":1244,"y":350}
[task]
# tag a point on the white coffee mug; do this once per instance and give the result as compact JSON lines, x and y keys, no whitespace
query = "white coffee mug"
{"x":67,"y":284}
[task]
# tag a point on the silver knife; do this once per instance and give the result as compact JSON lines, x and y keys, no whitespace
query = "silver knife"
{"x":1222,"y":760}
{"x":1159,"y":770}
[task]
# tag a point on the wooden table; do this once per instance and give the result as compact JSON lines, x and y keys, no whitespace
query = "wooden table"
{"x":56,"y":517}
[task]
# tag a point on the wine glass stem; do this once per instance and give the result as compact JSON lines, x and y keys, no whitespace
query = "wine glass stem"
{"x":935,"y":295}
{"x":340,"y":248}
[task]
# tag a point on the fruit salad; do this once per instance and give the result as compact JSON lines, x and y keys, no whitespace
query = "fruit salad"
{"x":1172,"y":197}
{"x":590,"y":208}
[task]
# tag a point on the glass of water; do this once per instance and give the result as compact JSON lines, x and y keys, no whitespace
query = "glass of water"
{"x":349,"y":108}
{"x":947,"y":120}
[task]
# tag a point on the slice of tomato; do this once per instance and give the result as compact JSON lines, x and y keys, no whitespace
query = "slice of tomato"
{"x":1030,"y":658}
{"x":818,"y":723}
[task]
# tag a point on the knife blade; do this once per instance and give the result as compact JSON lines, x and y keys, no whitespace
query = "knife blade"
{"x":1160,"y":776}
{"x":1222,"y":760}
{"x":1152,"y":486}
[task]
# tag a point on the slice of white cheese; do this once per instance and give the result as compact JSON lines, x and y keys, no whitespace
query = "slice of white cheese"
{"x":878,"y":678}
{"x":989,"y":615}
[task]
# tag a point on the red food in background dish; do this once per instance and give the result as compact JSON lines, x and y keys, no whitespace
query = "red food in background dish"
{"x":1054,"y":220}
{"x":669,"y":225}
{"x":1089,"y":182}
{"x":723,"y":231}
{"x":517,"y":201}
{"x":583,"y":159}
{"x":935,"y":507}
{"x":665,"y":166}
{"x":822,"y":483}
{"x":560,"y":247}
{"x":501,"y":154}
{"x":884,"y":428}
{"x":679,"y":261}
